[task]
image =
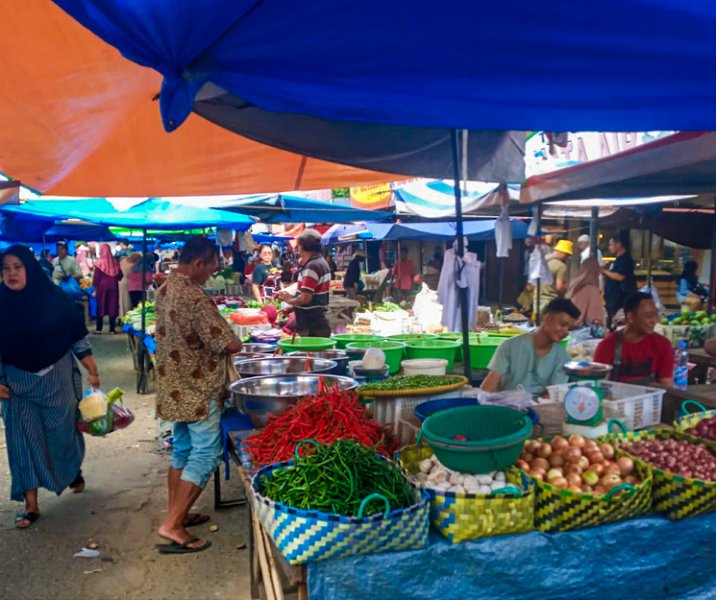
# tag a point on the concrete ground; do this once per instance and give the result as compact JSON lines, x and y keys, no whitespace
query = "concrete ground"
{"x":120,"y":509}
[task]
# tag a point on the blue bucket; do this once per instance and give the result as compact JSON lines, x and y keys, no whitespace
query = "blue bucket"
{"x":425,"y":409}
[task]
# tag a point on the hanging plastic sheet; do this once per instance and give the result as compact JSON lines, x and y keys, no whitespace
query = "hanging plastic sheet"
{"x":641,"y":558}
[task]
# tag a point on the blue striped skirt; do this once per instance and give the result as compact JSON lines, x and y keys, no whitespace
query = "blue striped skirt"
{"x":44,"y":448}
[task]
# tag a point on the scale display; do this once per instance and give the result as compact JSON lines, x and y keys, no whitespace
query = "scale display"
{"x":583,"y":405}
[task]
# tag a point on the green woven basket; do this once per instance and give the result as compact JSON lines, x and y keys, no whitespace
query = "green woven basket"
{"x":495,"y":435}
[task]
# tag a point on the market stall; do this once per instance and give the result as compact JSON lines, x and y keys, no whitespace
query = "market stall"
{"x":487,"y":536}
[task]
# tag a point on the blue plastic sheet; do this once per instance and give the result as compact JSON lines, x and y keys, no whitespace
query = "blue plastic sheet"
{"x":642,"y":558}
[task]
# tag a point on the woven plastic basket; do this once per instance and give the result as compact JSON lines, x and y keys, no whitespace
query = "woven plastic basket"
{"x":460,"y":381}
{"x":690,"y":420}
{"x":674,"y":496}
{"x":462,"y":517}
{"x":495,"y":435}
{"x":303,"y":536}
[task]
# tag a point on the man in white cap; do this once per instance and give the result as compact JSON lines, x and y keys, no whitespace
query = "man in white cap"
{"x":314,"y":280}
{"x":583,"y":242}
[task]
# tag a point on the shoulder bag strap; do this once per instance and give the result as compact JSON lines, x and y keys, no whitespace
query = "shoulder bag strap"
{"x":617,"y":355}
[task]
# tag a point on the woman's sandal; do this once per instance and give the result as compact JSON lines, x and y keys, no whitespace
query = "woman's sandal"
{"x":30,"y":517}
{"x":78,"y":484}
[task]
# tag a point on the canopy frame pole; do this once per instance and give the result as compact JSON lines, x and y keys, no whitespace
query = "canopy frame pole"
{"x":141,"y":349}
{"x":712,"y":282}
{"x":538,"y":242}
{"x":462,"y":292}
{"x":594,"y":233}
{"x":648,"y":254}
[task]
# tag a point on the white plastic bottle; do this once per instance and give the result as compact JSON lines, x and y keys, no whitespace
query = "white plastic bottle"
{"x":681,"y":367}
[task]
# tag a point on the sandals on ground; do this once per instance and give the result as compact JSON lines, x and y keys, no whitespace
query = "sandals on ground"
{"x":30,"y":517}
{"x":78,"y":484}
{"x":184,"y":548}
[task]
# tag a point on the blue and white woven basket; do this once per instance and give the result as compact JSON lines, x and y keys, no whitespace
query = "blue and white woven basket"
{"x":303,"y":536}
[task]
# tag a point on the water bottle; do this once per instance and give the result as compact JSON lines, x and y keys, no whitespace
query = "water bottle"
{"x":681,"y":367}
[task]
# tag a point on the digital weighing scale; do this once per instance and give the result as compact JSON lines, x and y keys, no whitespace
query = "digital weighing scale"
{"x":583,"y":401}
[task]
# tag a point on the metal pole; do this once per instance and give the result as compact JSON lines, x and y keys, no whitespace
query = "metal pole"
{"x":538,"y":291}
{"x":712,"y":282}
{"x":462,"y":292}
{"x":648,"y":254}
{"x":594,"y":232}
{"x":141,"y":360}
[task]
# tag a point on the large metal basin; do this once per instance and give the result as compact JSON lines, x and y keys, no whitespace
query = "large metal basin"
{"x":254,"y":348}
{"x":281,"y":365}
{"x":241,"y":356}
{"x":340,"y":357}
{"x":259,"y":397}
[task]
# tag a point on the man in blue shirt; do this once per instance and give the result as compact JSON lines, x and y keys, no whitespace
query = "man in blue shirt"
{"x":534,"y":360}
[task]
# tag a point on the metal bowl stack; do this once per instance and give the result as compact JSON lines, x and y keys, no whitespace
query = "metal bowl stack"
{"x":282,"y":365}
{"x":340,"y":357}
{"x":254,"y":351}
{"x":259,"y":397}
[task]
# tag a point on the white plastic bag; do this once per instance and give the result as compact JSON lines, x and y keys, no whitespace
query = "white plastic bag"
{"x":427,"y":310}
{"x":518,"y":398}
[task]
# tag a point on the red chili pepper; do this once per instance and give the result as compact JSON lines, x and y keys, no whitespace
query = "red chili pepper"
{"x":327,"y":416}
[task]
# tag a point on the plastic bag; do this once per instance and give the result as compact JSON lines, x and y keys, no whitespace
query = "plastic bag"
{"x":518,"y":398}
{"x":116,"y":415}
{"x":71,"y":287}
{"x":427,"y":310}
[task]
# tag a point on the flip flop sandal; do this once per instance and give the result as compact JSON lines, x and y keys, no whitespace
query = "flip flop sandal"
{"x":26,"y":516}
{"x":196,"y":519}
{"x":79,"y":482}
{"x":184,"y":548}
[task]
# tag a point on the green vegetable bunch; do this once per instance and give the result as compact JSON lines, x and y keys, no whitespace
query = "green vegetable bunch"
{"x":336,"y":478}
{"x":410,"y":382}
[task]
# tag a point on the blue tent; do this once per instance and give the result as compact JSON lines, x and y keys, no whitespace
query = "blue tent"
{"x":153,"y":213}
{"x":614,"y":65}
{"x":295,"y":209}
{"x":482,"y":230}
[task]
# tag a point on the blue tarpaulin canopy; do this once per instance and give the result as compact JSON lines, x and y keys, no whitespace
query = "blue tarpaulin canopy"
{"x":295,"y":209}
{"x":482,"y":230}
{"x":514,"y":64}
{"x":153,"y":213}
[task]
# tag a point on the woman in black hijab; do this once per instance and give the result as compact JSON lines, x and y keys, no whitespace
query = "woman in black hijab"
{"x":40,"y":332}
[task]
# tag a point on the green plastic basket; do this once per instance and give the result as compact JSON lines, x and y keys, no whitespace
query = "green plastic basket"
{"x":482,"y":350}
{"x":306,"y":343}
{"x":459,"y":357}
{"x":495,"y":436}
{"x":343,"y":339}
{"x":393,"y":351}
{"x":412,"y":337}
{"x":435,"y":348}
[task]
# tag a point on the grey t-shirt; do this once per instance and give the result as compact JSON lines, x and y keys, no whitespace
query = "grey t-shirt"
{"x":518,"y":364}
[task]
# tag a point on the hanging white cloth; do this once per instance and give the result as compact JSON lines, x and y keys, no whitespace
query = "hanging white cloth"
{"x":503,"y":234}
{"x":458,"y":273}
{"x":538,"y":268}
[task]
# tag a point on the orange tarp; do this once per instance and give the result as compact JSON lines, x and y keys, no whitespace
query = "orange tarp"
{"x":78,"y":119}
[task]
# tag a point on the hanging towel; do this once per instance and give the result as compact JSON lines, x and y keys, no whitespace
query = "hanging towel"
{"x":503,"y":234}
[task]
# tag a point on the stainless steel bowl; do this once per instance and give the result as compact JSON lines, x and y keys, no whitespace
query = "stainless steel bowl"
{"x":241,"y":356}
{"x":340,"y":357}
{"x":282,"y":365}
{"x":258,"y":348}
{"x":259,"y":397}
{"x":587,"y":370}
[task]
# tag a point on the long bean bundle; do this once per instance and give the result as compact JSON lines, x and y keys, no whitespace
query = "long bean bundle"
{"x":336,"y":478}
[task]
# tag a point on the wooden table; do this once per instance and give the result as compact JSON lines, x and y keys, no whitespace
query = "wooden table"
{"x":706,"y":394}
{"x":270,"y":573}
{"x":703,"y":361}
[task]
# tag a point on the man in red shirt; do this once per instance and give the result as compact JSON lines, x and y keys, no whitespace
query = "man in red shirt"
{"x":403,"y":273}
{"x":638,"y":354}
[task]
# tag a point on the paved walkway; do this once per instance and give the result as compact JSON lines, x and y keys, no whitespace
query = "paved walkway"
{"x":123,"y":503}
